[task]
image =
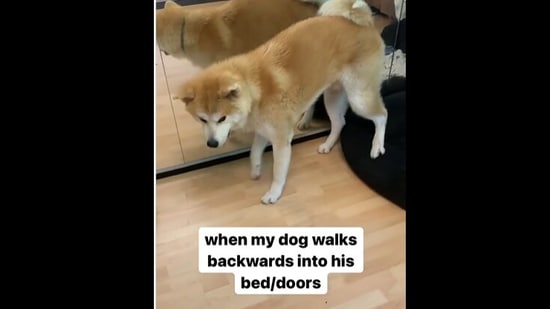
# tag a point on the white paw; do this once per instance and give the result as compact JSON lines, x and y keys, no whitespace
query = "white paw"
{"x":377,"y":149}
{"x":303,"y":124}
{"x":358,"y":4}
{"x":255,"y":176}
{"x":270,"y":197}
{"x":324,"y":148}
{"x":256,"y":171}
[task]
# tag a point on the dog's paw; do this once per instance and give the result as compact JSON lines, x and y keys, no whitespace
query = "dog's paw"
{"x":377,"y":150}
{"x":304,"y":124}
{"x":270,"y":197}
{"x":256,"y":172}
{"x":324,"y":148}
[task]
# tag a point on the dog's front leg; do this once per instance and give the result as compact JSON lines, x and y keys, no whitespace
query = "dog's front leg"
{"x":281,"y":162}
{"x":256,"y":152}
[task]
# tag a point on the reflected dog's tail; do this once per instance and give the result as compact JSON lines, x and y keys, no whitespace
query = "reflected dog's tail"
{"x":358,"y":11}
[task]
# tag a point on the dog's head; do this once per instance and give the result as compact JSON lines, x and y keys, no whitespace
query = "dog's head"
{"x":219,"y":100}
{"x":170,"y":22}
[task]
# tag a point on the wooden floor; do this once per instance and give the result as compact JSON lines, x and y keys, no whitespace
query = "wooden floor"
{"x":321,"y":191}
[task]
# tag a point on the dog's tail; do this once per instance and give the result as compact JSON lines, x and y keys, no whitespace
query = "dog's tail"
{"x":358,"y":11}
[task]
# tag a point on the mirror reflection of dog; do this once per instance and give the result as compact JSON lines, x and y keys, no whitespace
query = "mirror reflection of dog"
{"x":213,"y":32}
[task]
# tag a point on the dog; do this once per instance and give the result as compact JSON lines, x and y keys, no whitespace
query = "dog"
{"x":213,"y":32}
{"x":338,"y":53}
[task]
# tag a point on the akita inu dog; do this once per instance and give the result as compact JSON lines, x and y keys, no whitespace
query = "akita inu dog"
{"x":339,"y":53}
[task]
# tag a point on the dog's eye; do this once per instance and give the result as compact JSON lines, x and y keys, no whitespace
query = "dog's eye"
{"x":221,"y":119}
{"x":203,"y":120}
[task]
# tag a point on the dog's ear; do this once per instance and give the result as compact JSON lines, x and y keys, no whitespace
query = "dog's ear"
{"x":231,"y":92}
{"x":169,"y":4}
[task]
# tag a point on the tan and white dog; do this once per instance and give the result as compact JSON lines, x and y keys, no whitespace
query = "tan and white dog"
{"x":267,"y":89}
{"x":215,"y":31}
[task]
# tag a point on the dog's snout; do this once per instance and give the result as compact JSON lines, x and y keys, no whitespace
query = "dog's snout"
{"x":212,"y":143}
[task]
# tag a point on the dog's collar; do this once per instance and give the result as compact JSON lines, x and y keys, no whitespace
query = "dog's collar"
{"x":181,"y":36}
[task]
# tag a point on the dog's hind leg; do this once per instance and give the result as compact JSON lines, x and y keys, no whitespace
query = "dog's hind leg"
{"x":366,"y":101}
{"x":256,"y":151}
{"x":336,"y":106}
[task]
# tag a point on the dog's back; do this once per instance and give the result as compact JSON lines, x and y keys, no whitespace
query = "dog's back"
{"x":310,"y":55}
{"x":215,"y":32}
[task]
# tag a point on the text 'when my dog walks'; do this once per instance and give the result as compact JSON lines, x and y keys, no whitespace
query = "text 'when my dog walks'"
{"x":284,"y":240}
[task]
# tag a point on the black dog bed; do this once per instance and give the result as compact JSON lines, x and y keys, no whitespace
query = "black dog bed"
{"x":385,"y":174}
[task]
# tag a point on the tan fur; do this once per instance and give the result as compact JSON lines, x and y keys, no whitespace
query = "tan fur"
{"x":275,"y":83}
{"x":215,"y":32}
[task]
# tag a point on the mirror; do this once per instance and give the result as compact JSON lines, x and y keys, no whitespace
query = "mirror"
{"x":179,"y":138}
{"x":180,"y":142}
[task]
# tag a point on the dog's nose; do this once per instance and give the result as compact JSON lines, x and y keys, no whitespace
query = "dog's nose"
{"x":212,"y":143}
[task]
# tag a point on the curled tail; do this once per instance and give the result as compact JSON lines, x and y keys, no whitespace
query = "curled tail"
{"x":357,"y":11}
